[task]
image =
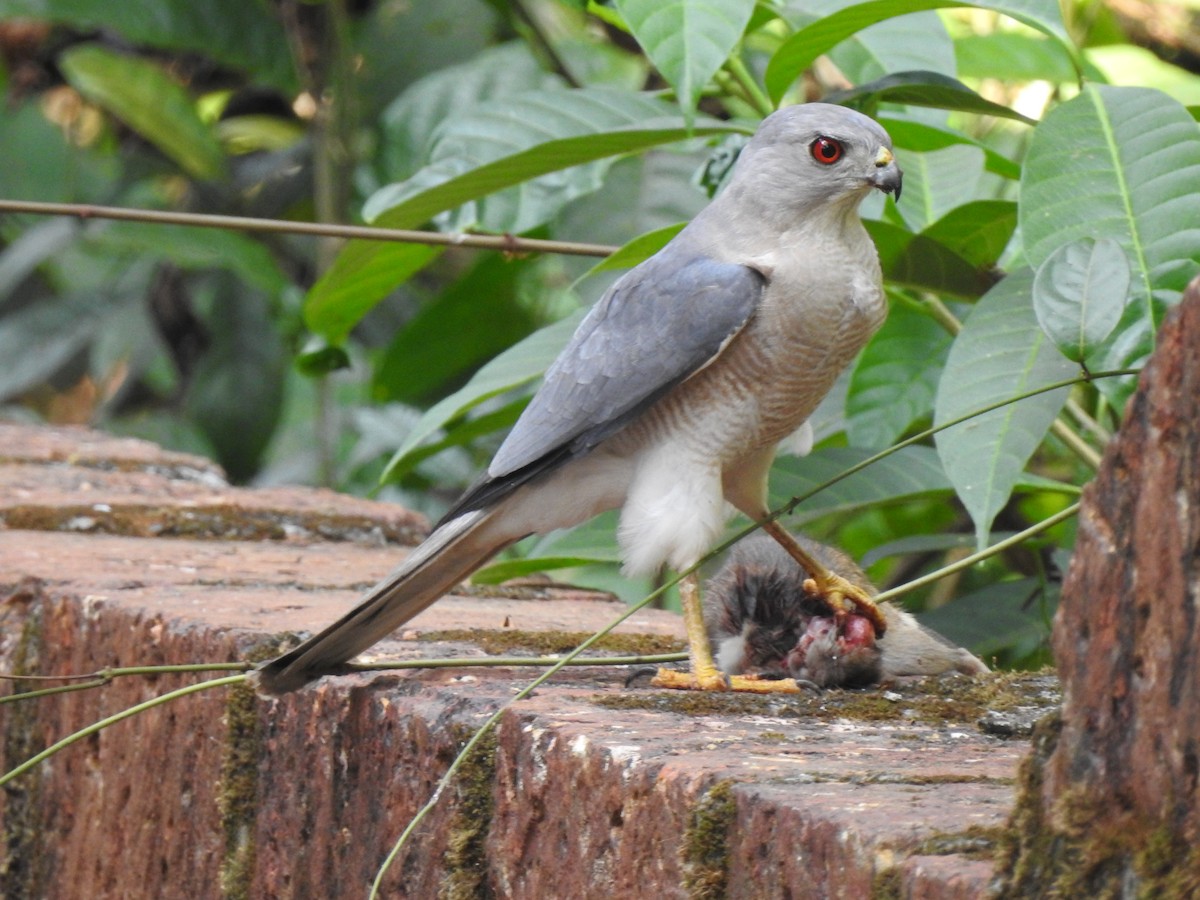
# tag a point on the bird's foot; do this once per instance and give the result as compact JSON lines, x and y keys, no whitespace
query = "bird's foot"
{"x":687,"y":681}
{"x":701,"y":678}
{"x":845,"y":597}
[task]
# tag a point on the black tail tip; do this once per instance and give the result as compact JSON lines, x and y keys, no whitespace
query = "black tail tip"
{"x":273,"y":680}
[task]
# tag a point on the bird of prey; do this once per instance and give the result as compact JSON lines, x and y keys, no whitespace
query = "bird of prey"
{"x":764,"y":622}
{"x":673,"y":395}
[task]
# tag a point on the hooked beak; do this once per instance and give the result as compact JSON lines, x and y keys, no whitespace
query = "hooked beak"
{"x":887,"y":176}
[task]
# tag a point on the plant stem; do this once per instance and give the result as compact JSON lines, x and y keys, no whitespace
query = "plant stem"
{"x":113,"y":719}
{"x":756,"y":96}
{"x":1075,"y":443}
{"x":987,"y":552}
{"x":505,"y":243}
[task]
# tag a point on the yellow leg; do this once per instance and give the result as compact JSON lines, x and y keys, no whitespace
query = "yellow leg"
{"x":704,"y":675}
{"x":842,"y":595}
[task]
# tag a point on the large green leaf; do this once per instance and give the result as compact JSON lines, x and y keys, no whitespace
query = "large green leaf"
{"x":687,"y":40}
{"x":917,"y":41}
{"x":1000,"y":354}
{"x":31,"y":249}
{"x":411,"y":120}
{"x":911,"y":472}
{"x":802,"y":49}
{"x":394,"y":44}
{"x":478,"y":154}
{"x":636,"y":251}
{"x":38,"y":339}
{"x":978,"y":231}
{"x":455,"y":332}
{"x":518,"y":143}
{"x":195,"y":248}
{"x":516,"y":366}
{"x":236,"y":397}
{"x":461,"y":432}
{"x":937,"y":182}
{"x":1012,"y":56}
{"x":244,"y":35}
{"x":994,"y":618}
{"x":594,"y":541}
{"x":142,"y":95}
{"x":922,"y":88}
{"x":41,"y":164}
{"x":896,"y":377}
{"x":917,"y":261}
{"x":362,"y":274}
{"x":1119,"y":163}
{"x":922,"y":137}
{"x":1079,"y":294}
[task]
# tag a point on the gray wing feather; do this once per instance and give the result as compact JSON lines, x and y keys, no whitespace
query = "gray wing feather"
{"x":656,"y":326}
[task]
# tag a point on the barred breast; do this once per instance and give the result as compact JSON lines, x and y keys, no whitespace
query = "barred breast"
{"x":774,"y":373}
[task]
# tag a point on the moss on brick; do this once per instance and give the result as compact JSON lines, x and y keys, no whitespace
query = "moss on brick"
{"x":465,"y":858}
{"x":705,"y":850}
{"x":932,"y":701}
{"x":1085,"y":847}
{"x":23,"y":864}
{"x":215,"y":521}
{"x":237,"y":794}
{"x":505,"y":641}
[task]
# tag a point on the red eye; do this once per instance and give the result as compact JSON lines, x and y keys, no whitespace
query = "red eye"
{"x":826,"y":150}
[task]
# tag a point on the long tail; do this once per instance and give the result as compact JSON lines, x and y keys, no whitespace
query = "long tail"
{"x":452,"y":552}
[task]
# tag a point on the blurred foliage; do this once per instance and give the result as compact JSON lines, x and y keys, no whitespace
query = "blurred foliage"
{"x":1052,"y":165}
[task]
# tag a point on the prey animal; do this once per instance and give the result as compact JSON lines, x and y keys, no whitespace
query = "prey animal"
{"x":763,"y":621}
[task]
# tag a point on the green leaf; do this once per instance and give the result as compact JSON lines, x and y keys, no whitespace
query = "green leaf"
{"x":245,"y":36}
{"x":924,"y":89}
{"x":1119,"y":163}
{"x":410,"y":122}
{"x":516,"y":366}
{"x":911,"y":472}
{"x":1128,"y":64}
{"x":922,"y":137}
{"x":687,"y":40}
{"x":465,"y":431}
{"x":33,"y":247}
{"x":917,"y":41}
{"x":937,"y":182}
{"x":236,"y":396}
{"x":895,"y":379}
{"x":801,"y":50}
{"x":453,"y":333}
{"x":195,"y":248}
{"x":530,"y":565}
{"x":1012,"y":56}
{"x":363,"y":274}
{"x":978,"y":231}
{"x":319,"y":357}
{"x":533,"y":134}
{"x":41,"y":164}
{"x":994,"y":618}
{"x":150,"y":102}
{"x":1079,"y":294}
{"x":916,"y":261}
{"x":1000,"y":354}
{"x":42,"y":336}
{"x":640,"y":249}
